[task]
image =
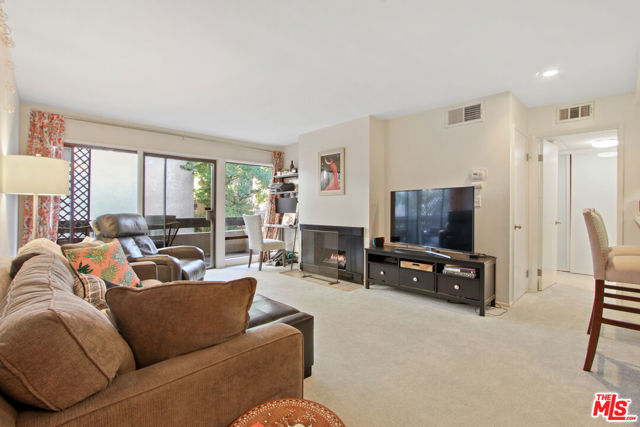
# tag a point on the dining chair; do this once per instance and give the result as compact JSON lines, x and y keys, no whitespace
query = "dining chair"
{"x":620,"y":264}
{"x":258,"y":243}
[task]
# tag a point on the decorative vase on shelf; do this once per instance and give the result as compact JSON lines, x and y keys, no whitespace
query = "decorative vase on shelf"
{"x":292,"y":168}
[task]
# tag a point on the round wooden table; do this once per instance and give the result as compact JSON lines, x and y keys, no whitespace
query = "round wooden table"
{"x":289,"y":413}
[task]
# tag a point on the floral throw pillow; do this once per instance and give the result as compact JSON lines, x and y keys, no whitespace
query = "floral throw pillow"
{"x":106,"y":261}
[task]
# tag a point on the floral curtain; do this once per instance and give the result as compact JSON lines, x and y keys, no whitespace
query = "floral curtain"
{"x":272,"y":217}
{"x":46,"y":137}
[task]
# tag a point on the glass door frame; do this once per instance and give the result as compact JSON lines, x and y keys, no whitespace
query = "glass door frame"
{"x":213,"y":210}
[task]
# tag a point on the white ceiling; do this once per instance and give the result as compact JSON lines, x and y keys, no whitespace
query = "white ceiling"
{"x":268,"y":70}
{"x":582,"y":141}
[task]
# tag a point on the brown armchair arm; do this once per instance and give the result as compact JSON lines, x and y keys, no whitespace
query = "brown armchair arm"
{"x":145,"y":270}
{"x":211,"y":387}
{"x":168,"y":267}
{"x":182,"y":252}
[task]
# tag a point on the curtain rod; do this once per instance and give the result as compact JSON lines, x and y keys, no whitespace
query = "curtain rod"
{"x":169,"y":132}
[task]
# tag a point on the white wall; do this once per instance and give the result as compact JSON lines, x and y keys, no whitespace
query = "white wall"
{"x":9,"y":144}
{"x":352,"y":208}
{"x":591,"y":190}
{"x":619,"y":112}
{"x":423,"y":153}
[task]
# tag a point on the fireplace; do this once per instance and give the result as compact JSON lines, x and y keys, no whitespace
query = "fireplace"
{"x":332,"y":251}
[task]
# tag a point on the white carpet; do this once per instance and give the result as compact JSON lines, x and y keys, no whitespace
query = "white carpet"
{"x":385,"y":357}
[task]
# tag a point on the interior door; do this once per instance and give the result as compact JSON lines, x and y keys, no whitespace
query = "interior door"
{"x":521,"y":230}
{"x":548,"y":202}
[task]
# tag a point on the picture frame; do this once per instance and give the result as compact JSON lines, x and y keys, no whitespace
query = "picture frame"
{"x":289,"y":218}
{"x":331,"y":172}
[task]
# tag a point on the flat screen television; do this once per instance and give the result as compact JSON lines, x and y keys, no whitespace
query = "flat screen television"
{"x":434,"y":218}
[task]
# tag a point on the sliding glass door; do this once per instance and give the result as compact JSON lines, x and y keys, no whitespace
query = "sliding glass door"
{"x":246,"y":193}
{"x":178,"y":195}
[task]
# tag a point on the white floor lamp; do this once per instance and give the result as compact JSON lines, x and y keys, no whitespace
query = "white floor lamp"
{"x":36,"y":176}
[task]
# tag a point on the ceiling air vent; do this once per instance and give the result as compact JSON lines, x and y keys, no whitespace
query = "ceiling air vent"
{"x":466,"y":114}
{"x":575,"y":112}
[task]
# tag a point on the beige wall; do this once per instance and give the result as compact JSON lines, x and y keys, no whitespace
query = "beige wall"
{"x":291,"y":153}
{"x":91,"y":130}
{"x":377,"y":177}
{"x":97,"y":131}
{"x":352,"y":208}
{"x":423,"y":153}
{"x":9,"y":144}
{"x":620,"y":112}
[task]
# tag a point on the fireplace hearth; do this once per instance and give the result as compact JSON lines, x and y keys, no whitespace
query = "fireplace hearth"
{"x":333,"y":251}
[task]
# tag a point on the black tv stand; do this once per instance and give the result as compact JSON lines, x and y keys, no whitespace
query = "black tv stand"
{"x":423,"y":251}
{"x":423,"y":272}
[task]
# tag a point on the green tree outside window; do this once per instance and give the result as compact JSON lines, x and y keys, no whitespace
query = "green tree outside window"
{"x":246,"y":187}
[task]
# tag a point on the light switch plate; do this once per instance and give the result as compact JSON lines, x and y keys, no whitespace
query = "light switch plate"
{"x":477,"y":201}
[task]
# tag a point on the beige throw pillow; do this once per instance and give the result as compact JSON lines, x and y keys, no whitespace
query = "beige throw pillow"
{"x":164,"y":321}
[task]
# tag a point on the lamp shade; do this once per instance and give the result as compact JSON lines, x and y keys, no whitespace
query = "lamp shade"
{"x":34,"y":175}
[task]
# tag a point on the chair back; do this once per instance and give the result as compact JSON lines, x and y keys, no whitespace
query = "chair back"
{"x":130,"y":229}
{"x":599,"y":241}
{"x":254,"y":231}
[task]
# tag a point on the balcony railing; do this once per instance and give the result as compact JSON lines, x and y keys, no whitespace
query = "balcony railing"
{"x":173,"y":231}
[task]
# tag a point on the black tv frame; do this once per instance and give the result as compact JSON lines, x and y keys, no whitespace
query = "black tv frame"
{"x":432,"y":249}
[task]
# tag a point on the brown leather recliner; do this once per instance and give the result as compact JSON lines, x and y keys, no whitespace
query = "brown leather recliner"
{"x":174,"y":262}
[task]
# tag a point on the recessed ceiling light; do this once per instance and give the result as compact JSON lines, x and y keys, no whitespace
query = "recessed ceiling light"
{"x":548,"y":73}
{"x":608,"y":154}
{"x":605,"y":143}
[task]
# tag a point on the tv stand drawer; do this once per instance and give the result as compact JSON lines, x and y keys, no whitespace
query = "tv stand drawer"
{"x":417,"y":279}
{"x":383,"y":272}
{"x":459,"y":287}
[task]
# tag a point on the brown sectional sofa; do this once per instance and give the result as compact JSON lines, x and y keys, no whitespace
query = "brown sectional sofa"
{"x":74,"y":368}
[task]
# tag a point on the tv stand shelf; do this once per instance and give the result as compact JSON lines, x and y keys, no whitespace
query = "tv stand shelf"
{"x":422,"y":272}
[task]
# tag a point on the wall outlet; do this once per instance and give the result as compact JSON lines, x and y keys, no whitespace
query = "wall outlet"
{"x":478,"y":174}
{"x":477,"y":201}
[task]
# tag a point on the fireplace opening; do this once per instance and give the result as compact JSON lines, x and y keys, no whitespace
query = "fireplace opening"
{"x":334,"y":258}
{"x":333,"y":251}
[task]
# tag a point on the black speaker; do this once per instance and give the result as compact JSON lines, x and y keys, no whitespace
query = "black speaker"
{"x":377,"y":242}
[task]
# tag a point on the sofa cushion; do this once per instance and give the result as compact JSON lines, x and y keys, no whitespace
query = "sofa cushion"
{"x":5,"y":278}
{"x":106,"y":261}
{"x":164,"y":321}
{"x":55,"y":348}
{"x":41,"y":246}
{"x":18,"y":261}
{"x":93,"y":290}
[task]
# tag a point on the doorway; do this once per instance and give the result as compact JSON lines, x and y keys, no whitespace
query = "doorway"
{"x":178,"y":194}
{"x":577,"y":171}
